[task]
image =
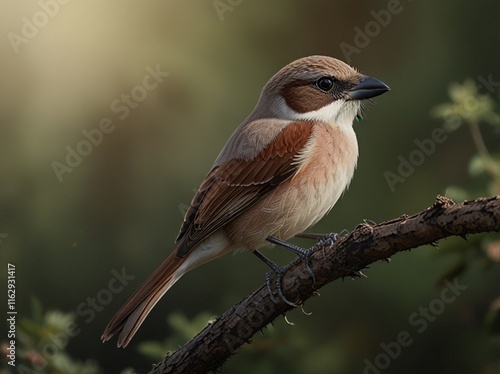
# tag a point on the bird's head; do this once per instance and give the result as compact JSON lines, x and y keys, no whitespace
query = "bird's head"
{"x":317,"y":88}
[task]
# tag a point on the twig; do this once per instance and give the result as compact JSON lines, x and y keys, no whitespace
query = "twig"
{"x":351,"y":253}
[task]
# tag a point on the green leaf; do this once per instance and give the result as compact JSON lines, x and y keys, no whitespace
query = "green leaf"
{"x":476,"y":166}
{"x":188,"y":329}
{"x":58,"y":319}
{"x":154,"y":350}
{"x":466,"y":105}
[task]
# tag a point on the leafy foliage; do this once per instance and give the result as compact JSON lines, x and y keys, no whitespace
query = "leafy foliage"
{"x":41,"y":344}
{"x":183,"y":330}
{"x":469,"y":108}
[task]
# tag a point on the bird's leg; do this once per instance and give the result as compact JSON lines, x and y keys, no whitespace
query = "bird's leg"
{"x":279,"y":271}
{"x":310,"y":235}
{"x":320,"y":238}
{"x":303,"y":253}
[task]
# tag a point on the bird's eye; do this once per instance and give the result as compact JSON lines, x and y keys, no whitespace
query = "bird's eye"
{"x":325,"y":83}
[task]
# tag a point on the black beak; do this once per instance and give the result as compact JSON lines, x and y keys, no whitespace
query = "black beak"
{"x":367,"y":88}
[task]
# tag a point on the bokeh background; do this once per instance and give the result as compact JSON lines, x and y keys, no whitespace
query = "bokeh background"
{"x":121,"y":206}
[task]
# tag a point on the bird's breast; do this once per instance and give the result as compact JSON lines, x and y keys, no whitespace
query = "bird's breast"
{"x":325,"y":168}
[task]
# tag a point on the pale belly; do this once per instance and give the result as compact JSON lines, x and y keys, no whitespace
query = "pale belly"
{"x":303,"y":200}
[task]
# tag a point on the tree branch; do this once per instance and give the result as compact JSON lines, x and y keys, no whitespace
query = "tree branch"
{"x":350,"y":254}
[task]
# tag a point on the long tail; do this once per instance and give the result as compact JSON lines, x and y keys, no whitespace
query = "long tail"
{"x":133,"y":313}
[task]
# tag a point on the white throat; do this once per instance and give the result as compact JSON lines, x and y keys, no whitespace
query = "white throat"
{"x":340,"y":112}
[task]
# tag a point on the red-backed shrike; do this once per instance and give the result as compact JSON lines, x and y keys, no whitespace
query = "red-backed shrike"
{"x":280,"y":172}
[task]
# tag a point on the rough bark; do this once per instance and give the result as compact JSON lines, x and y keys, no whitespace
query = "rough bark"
{"x":350,"y":254}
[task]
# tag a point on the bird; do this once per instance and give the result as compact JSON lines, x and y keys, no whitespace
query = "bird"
{"x":284,"y":167}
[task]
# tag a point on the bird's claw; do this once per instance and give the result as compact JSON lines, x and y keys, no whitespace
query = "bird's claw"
{"x":279,"y":272}
{"x":326,"y":240}
{"x":304,"y":255}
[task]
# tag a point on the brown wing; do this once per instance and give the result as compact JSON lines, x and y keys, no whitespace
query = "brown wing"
{"x":236,"y":185}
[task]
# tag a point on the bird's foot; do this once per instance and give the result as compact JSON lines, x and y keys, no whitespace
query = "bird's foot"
{"x":306,"y":253}
{"x":303,"y":253}
{"x":279,"y":271}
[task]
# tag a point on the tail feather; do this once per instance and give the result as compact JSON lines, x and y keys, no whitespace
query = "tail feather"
{"x":132,"y":314}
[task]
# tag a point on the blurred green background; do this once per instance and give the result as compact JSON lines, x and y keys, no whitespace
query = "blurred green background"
{"x":122,"y":204}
